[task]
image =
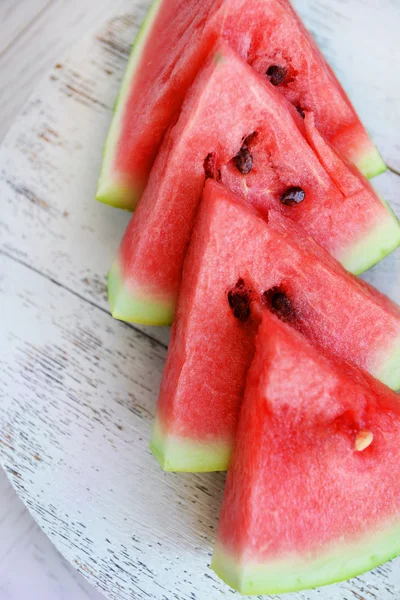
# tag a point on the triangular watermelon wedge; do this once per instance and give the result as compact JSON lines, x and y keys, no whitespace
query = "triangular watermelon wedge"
{"x":237,"y":128}
{"x":312,"y":494}
{"x":236,"y":261}
{"x":170,"y":49}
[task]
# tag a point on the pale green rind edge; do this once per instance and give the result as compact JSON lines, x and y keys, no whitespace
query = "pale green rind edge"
{"x":371,"y":164}
{"x":294,"y":572}
{"x":187,"y":456}
{"x":126,"y":305}
{"x":111,"y":189}
{"x":375,"y":246}
{"x":184,"y":455}
{"x":117,"y":194}
{"x":389,"y":370}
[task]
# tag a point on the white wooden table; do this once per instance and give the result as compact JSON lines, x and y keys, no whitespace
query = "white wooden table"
{"x":34,"y":34}
{"x":30,"y":566}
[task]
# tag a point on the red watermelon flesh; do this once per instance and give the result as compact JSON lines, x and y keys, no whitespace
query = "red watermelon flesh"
{"x":210,"y":140}
{"x":312,"y":494}
{"x":234,"y":257}
{"x":345,"y":176}
{"x":171,"y":45}
{"x":171,"y":48}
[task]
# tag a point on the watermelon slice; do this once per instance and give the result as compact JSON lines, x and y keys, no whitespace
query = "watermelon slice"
{"x":312,"y":495}
{"x":235,"y":261}
{"x":262,"y":156}
{"x":170,"y":49}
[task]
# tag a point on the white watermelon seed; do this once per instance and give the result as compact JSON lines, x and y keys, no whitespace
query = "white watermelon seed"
{"x":363,"y":440}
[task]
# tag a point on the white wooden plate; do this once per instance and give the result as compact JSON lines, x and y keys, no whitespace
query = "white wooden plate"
{"x":78,"y":389}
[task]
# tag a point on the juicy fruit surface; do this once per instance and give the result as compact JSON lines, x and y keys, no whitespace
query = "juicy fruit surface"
{"x":154,"y":310}
{"x":314,"y":475}
{"x":173,"y":45}
{"x":238,"y":129}
{"x":152,"y":92}
{"x":211,"y":348}
{"x":309,"y":83}
{"x":122,"y":187}
{"x":179,"y":454}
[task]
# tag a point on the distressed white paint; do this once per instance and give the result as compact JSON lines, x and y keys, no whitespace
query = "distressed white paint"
{"x":16,"y":17}
{"x":360,"y":38}
{"x":77,"y":388}
{"x":34,"y":34}
{"x":30,"y":566}
{"x":49,"y":165}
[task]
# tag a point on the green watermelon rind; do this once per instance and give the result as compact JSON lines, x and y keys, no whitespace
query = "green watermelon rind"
{"x":371,"y":164}
{"x":135,"y":306}
{"x":374,"y":246}
{"x":388,"y":370}
{"x":112,"y":189}
{"x":295,"y":573}
{"x":125,"y":305}
{"x":182,"y":455}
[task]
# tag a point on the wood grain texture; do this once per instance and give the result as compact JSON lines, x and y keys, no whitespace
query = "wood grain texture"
{"x":49,"y":29}
{"x":16,"y":17}
{"x":77,"y":388}
{"x":49,"y":166}
{"x":30,"y":566}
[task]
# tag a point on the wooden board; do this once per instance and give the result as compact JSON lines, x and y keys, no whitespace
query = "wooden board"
{"x":30,"y":566}
{"x":14,"y":21}
{"x":35,"y":33}
{"x":78,"y":389}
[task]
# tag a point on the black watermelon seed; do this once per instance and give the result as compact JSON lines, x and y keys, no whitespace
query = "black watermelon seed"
{"x":239,"y":301}
{"x":279,"y":303}
{"x":276,"y":74}
{"x":248,"y":140}
{"x":243,"y":160}
{"x":301,"y":111}
{"x":240,"y":284}
{"x":210,"y":167}
{"x":293,"y":196}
